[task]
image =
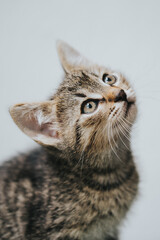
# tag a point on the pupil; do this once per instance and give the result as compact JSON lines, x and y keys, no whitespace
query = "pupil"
{"x":109,"y":79}
{"x":89,"y":105}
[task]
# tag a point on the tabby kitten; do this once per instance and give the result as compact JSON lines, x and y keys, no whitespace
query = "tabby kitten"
{"x":81,"y":182}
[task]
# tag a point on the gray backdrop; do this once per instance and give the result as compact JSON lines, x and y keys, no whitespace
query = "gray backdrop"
{"x":124,"y":35}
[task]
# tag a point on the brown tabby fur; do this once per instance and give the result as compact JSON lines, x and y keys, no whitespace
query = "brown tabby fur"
{"x":80,"y":184}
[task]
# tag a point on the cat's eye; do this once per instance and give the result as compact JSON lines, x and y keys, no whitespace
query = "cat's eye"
{"x":109,"y":79}
{"x":89,"y":106}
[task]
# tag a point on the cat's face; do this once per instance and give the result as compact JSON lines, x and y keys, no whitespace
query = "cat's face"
{"x":93,"y":109}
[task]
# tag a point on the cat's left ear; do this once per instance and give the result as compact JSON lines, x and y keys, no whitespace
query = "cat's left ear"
{"x":38,"y":121}
{"x":70,"y":58}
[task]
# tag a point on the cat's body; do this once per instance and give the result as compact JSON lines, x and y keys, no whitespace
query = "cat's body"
{"x":80,"y":185}
{"x":44,"y":199}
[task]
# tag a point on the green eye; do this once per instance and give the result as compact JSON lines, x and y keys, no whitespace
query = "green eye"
{"x":109,"y":79}
{"x":89,"y":106}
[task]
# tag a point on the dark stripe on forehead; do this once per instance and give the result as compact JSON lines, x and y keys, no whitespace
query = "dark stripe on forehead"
{"x":94,"y":74}
{"x":80,"y":95}
{"x":86,"y":77}
{"x":110,"y":186}
{"x":84,"y":74}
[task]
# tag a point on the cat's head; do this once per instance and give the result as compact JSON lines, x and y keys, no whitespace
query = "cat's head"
{"x":92,"y":110}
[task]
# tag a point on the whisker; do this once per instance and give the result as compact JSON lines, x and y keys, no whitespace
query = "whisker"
{"x":122,"y":131}
{"x":121,"y":138}
{"x":126,"y":126}
{"x":113,"y":135}
{"x":111,"y":144}
{"x":126,"y":120}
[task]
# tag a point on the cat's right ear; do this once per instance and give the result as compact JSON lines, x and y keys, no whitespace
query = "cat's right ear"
{"x":38,"y":121}
{"x":70,"y":58}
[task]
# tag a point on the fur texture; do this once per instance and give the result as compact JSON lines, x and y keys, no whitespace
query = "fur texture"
{"x":81,"y":182}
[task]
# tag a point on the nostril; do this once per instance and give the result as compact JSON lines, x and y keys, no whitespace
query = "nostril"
{"x":121,"y":96}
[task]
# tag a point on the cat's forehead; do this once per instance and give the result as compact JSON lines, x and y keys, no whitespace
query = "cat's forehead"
{"x":89,"y":80}
{"x":79,"y":82}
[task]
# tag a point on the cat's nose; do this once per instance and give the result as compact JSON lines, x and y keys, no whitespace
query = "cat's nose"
{"x":121,"y":96}
{"x":116,"y":94}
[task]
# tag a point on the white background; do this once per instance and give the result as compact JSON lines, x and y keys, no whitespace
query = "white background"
{"x":124,"y":35}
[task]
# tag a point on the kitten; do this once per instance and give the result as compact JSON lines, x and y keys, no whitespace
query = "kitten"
{"x":82,"y":180}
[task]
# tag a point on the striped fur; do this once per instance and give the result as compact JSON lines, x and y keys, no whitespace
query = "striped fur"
{"x":81,"y":182}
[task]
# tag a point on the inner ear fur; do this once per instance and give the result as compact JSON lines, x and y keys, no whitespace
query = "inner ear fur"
{"x":38,"y":121}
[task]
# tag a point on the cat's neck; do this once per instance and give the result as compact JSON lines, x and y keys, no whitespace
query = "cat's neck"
{"x":117,"y":158}
{"x":95,"y":176}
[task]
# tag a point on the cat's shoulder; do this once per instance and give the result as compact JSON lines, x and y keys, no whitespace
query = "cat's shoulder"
{"x":22,"y":165}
